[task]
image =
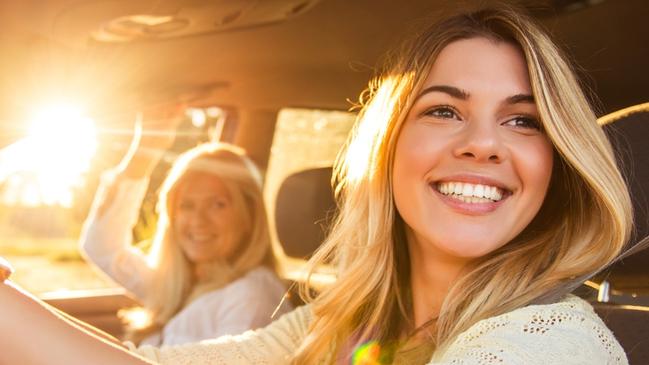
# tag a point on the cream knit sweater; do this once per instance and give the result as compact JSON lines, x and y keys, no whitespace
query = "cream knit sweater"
{"x":567,"y":332}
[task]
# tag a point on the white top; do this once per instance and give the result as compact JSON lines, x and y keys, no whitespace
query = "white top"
{"x":106,"y":240}
{"x":246,"y":303}
{"x":568,"y":333}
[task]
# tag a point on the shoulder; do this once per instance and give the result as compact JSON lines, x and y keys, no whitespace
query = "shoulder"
{"x":567,"y":332}
{"x":259,"y":280}
{"x":259,"y":284}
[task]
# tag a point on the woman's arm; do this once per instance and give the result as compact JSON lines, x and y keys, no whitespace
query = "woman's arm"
{"x":35,"y":334}
{"x":155,"y":132}
{"x":106,"y":238}
{"x":274,"y":344}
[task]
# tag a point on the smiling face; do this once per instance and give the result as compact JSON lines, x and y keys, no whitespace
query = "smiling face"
{"x":206,"y":225}
{"x":471,"y":165}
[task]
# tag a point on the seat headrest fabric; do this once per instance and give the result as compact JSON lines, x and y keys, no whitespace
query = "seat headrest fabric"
{"x":628,"y":130}
{"x":303,"y":211}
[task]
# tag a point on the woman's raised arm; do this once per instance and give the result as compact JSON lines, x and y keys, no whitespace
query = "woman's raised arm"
{"x":155,"y":132}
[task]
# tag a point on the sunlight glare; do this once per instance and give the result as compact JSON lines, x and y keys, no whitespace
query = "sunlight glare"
{"x":46,"y":165}
{"x":368,"y":132}
{"x":135,"y":318}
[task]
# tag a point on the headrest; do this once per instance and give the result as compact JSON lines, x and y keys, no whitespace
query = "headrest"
{"x":303,"y":211}
{"x":628,"y":130}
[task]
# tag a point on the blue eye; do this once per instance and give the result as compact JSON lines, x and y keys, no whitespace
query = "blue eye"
{"x":524,"y":122}
{"x":442,"y":112}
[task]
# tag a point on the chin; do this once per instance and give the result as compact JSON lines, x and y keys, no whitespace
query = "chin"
{"x":471,"y":249}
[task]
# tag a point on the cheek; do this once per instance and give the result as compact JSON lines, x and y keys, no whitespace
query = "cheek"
{"x":418,"y":150}
{"x":227,"y":223}
{"x":535,"y":164}
{"x":223,"y":219}
{"x":177,"y":222}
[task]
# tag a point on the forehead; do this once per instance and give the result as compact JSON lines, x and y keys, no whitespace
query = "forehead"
{"x":201,"y":184}
{"x":482,"y":64}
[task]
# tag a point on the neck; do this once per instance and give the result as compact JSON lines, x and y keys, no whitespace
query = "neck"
{"x":215,"y":273}
{"x":201,"y":272}
{"x":432,"y":273}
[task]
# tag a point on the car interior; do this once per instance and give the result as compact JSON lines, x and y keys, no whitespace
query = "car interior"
{"x":280,"y":78}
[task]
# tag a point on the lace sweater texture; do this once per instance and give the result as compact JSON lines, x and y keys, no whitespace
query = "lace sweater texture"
{"x":567,"y":332}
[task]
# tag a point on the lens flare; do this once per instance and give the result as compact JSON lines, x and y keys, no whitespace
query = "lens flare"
{"x":367,"y":354}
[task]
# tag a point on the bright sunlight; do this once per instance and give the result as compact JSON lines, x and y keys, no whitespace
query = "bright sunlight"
{"x":44,"y":167}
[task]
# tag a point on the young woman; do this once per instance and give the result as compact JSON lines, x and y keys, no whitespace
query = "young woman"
{"x":210,"y":270}
{"x":475,"y":191}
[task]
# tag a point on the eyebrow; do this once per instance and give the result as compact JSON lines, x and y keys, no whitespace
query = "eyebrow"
{"x":464,"y":95}
{"x":450,"y":90}
{"x":520,"y":98}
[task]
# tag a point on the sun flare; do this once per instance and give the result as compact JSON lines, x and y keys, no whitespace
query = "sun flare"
{"x":44,"y":167}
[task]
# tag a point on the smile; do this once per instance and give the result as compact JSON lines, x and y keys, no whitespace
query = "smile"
{"x":471,"y":193}
{"x":198,"y":238}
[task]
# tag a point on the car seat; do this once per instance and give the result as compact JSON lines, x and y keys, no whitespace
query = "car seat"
{"x":303,"y":211}
{"x":628,"y":130}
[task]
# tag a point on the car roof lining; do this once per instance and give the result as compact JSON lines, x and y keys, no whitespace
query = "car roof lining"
{"x":322,"y":58}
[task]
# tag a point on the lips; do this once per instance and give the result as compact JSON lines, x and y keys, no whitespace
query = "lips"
{"x":201,"y":237}
{"x":470,"y":194}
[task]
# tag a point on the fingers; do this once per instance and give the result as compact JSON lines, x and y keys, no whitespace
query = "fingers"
{"x":156,"y":126}
{"x":5,"y":269}
{"x":163,"y":117}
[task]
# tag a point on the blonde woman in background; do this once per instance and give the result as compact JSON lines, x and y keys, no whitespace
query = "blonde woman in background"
{"x":475,"y":192}
{"x":210,"y":270}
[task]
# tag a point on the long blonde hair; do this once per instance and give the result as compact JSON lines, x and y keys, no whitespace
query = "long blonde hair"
{"x":582,"y":226}
{"x":173,"y":280}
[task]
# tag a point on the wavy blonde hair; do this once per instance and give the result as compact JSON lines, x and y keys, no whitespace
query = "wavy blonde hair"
{"x":582,"y":226}
{"x":173,"y":282}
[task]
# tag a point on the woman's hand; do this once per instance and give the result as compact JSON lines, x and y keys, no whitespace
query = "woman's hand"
{"x":156,"y":125}
{"x":155,"y":132}
{"x":5,"y":270}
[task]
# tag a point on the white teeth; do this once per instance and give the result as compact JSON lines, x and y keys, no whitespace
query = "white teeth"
{"x":467,"y":190}
{"x":457,"y":189}
{"x":471,"y":193}
{"x":479,"y":190}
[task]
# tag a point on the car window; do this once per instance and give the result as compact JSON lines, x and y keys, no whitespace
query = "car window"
{"x":303,"y":139}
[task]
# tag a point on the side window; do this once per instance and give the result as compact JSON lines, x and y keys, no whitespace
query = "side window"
{"x":48,"y":180}
{"x":303,"y":139}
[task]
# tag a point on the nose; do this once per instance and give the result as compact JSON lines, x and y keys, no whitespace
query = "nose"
{"x":199,"y":217}
{"x":481,"y":142}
